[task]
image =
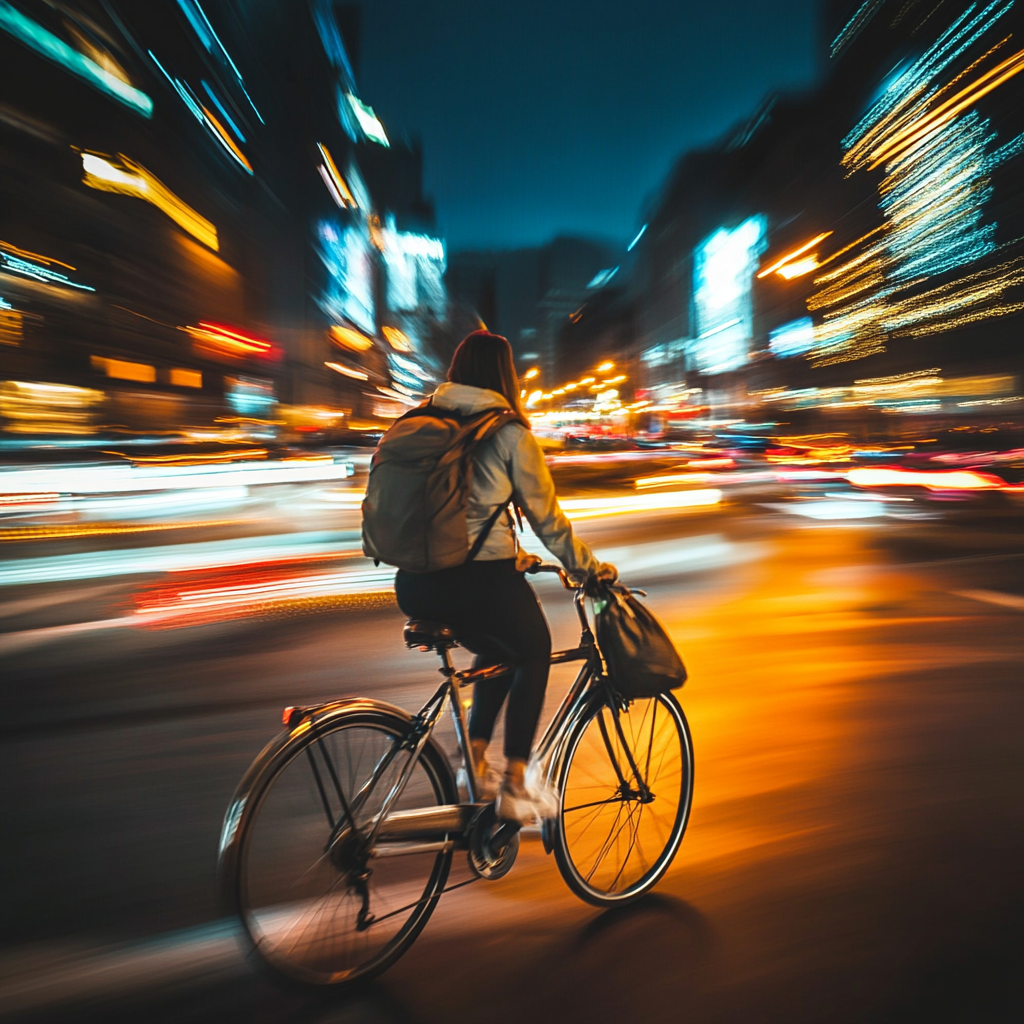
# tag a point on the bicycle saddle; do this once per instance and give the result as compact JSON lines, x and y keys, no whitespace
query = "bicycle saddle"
{"x":428,"y":635}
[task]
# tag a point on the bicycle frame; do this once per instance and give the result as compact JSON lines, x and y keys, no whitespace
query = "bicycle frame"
{"x":442,"y":823}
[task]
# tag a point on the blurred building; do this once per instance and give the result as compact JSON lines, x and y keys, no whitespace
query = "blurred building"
{"x":528,"y":295}
{"x":204,"y":220}
{"x":866,"y":230}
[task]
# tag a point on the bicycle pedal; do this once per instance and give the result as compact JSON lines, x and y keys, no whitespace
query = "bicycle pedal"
{"x":493,"y":846}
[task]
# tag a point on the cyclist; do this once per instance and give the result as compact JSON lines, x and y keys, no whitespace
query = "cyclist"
{"x":487,"y":600}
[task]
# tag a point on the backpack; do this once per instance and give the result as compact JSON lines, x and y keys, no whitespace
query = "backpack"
{"x":414,"y":512}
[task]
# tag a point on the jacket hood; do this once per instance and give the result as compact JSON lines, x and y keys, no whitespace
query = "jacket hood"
{"x":466,"y":400}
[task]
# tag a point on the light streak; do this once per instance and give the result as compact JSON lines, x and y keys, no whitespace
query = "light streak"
{"x":605,"y":367}
{"x":601,"y":278}
{"x":204,"y":459}
{"x":127,"y":479}
{"x":75,"y":530}
{"x":129,"y":178}
{"x":204,"y":116}
{"x":944,"y":480}
{"x":224,"y":340}
{"x":588,"y":508}
{"x":531,"y":373}
{"x":348,"y":337}
{"x":173,"y":557}
{"x":224,"y":113}
{"x":208,"y":37}
{"x":932,"y":122}
{"x":256,"y":589}
{"x":347,"y":371}
{"x":639,"y":235}
{"x":799,"y":268}
{"x":643,"y":483}
{"x":855,"y":25}
{"x":937,"y":158}
{"x":37,"y":38}
{"x":336,"y":183}
{"x":34,"y":256}
{"x":225,"y":139}
{"x":790,"y":256}
{"x":44,"y":275}
{"x":397,"y":339}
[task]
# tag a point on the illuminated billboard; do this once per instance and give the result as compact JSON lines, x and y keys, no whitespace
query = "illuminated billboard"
{"x":415,"y":271}
{"x":347,"y":254}
{"x":793,"y":339}
{"x":724,"y":265}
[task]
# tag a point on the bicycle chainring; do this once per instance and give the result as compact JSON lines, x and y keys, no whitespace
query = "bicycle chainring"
{"x":485,"y":860}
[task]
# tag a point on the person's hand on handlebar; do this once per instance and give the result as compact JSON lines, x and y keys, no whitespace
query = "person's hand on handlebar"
{"x":527,"y":561}
{"x":606,"y":572}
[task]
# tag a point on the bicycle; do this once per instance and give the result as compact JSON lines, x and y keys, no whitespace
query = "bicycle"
{"x":337,"y":844}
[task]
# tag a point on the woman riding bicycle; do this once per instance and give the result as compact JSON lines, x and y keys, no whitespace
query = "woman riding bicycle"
{"x":487,"y":600}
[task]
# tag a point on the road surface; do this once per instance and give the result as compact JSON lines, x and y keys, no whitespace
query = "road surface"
{"x":855,"y":852}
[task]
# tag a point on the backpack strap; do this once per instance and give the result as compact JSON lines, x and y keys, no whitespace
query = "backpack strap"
{"x":488,"y":428}
{"x":486,"y":531}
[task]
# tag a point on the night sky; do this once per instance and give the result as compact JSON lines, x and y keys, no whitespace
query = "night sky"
{"x":541,"y":117}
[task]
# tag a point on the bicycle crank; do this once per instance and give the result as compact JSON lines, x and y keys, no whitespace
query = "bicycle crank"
{"x":493,"y":845}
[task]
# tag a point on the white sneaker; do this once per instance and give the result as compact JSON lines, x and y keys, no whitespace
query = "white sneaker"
{"x":487,"y":782}
{"x":545,"y":798}
{"x":534,"y":802}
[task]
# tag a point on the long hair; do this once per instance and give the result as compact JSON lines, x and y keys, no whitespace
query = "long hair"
{"x":484,"y":360}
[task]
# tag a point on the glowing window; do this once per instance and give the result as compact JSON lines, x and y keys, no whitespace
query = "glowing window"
{"x":185,"y":378}
{"x":122,"y":369}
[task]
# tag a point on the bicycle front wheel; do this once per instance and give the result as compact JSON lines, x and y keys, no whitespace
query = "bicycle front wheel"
{"x":316,"y":907}
{"x":626,"y":787}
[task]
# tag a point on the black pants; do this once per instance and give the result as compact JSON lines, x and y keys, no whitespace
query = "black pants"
{"x":495,"y":614}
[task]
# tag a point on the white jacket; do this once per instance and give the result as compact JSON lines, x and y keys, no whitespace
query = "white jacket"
{"x":511,"y":465}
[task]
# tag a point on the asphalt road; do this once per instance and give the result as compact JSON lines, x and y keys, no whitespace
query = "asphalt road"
{"x":855,"y":853}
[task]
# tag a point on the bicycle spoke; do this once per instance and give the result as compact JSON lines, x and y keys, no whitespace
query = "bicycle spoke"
{"x":625,"y":798}
{"x":594,"y":803}
{"x":320,"y":788}
{"x":303,"y":903}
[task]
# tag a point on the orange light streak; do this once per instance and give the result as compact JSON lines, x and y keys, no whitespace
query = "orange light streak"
{"x":906,"y":139}
{"x":227,"y":341}
{"x":778,"y":264}
{"x":344,"y":193}
{"x":228,"y":141}
{"x":345,"y":371}
{"x":936,"y":480}
{"x":25,"y":254}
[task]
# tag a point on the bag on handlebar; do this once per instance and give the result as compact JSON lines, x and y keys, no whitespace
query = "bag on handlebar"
{"x":641,"y":658}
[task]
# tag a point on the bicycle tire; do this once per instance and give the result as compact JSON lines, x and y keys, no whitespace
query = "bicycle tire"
{"x":591,"y":793}
{"x":248,"y":834}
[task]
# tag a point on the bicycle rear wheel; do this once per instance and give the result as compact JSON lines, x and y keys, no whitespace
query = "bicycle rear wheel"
{"x":626,"y":787}
{"x":315,"y":908}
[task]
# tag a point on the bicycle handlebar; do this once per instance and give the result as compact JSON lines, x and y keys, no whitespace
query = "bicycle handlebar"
{"x":570,"y":580}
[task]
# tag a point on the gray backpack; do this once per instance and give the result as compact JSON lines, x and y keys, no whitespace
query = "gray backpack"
{"x":414,"y":513}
